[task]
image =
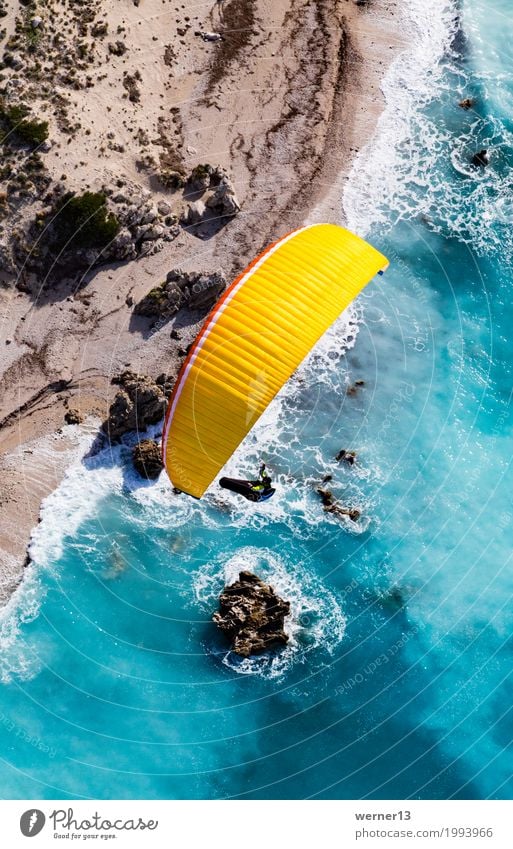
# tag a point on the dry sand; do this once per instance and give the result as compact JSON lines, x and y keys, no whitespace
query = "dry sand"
{"x":282,"y":103}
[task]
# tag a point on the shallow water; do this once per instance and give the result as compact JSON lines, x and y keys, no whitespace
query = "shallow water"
{"x":397,"y":679}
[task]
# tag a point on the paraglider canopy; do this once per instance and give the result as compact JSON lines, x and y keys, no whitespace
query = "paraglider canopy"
{"x":253,"y":340}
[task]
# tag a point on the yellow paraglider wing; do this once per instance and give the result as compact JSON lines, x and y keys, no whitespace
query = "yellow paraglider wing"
{"x":253,"y":340}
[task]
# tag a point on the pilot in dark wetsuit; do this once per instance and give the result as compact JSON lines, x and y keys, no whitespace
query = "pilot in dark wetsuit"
{"x":264,"y":483}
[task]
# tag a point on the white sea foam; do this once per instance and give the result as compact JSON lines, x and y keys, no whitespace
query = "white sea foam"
{"x":391,"y":160}
{"x":60,"y":514}
{"x":85,"y":484}
{"x":316,"y":619}
{"x":419,"y":167}
{"x":16,"y":660}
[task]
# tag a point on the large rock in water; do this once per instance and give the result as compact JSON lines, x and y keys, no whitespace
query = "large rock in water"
{"x":147,"y":459}
{"x":139,"y":403}
{"x":252,"y":615}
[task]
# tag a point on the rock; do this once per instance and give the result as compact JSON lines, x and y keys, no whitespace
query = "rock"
{"x":166,"y":382}
{"x":331,"y":505}
{"x":192,"y":289}
{"x":199,"y":179}
{"x":147,"y":459}
{"x":200,"y":290}
{"x":467,"y":103}
{"x":163,"y":208}
{"x":163,"y":301}
{"x":123,"y":246}
{"x":150,"y":216}
{"x":223,"y":202}
{"x":172,"y":233}
{"x":139,"y":403}
{"x":218,"y":173}
{"x":195,"y":213}
{"x":150,"y":232}
{"x":15,"y":62}
{"x":481,"y":158}
{"x":73,"y":417}
{"x":211,"y":36}
{"x":252,"y":616}
{"x":36,"y":22}
{"x":347,"y":456}
{"x":353,"y":389}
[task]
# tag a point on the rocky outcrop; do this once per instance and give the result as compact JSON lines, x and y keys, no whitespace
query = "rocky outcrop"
{"x":166,"y":383}
{"x":194,"y":290}
{"x":223,"y":201}
{"x":142,"y":230}
{"x":147,"y":459}
{"x":218,"y":203}
{"x":138,"y":403}
{"x":348,"y":457}
{"x":252,"y":616}
{"x":331,"y":505}
{"x":145,"y":226}
{"x":73,"y":417}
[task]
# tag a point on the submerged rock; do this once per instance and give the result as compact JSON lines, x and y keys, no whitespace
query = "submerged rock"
{"x":147,"y":459}
{"x":354,"y":387}
{"x":347,"y":456}
{"x":139,"y":403}
{"x":252,"y":615}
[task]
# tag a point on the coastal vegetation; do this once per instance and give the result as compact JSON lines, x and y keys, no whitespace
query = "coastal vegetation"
{"x":17,"y":126}
{"x":83,"y":221}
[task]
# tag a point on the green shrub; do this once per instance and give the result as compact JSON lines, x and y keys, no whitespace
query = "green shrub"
{"x":83,"y":221}
{"x":15,"y":124}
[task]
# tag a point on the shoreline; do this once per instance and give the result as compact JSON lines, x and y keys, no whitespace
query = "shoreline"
{"x":306,"y":165}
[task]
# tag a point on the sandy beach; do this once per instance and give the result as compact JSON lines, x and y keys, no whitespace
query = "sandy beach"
{"x":282,"y":101}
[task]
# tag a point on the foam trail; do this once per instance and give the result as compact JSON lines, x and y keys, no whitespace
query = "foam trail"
{"x":392,"y":159}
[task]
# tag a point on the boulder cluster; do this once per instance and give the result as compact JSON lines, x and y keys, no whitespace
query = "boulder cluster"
{"x":191,"y":289}
{"x":252,"y":615}
{"x":145,"y":226}
{"x":215,"y":201}
{"x":139,"y":402}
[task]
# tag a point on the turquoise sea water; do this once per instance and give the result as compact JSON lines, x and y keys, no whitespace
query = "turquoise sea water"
{"x":397,"y":681}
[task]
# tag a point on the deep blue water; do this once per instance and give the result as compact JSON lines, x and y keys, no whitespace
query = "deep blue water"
{"x":398,"y":679}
